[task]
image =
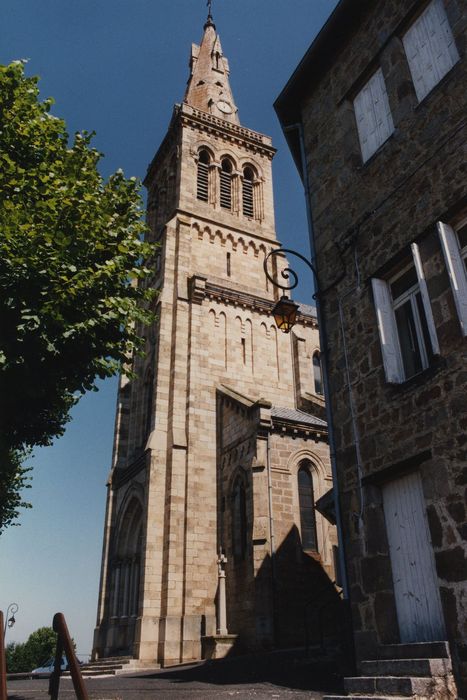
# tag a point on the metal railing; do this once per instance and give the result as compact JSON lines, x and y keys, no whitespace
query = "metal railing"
{"x":64,"y":644}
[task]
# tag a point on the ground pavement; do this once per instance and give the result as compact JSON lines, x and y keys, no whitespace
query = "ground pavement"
{"x":260,"y":677}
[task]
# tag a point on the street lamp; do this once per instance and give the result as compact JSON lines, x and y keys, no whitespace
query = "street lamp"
{"x":285,"y":310}
{"x":10,"y":620}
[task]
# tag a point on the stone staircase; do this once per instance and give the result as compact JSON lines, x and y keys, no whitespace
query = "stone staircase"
{"x":421,"y":671}
{"x":111,"y":666}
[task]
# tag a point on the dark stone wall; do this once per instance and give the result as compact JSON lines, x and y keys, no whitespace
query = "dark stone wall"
{"x":365,"y":217}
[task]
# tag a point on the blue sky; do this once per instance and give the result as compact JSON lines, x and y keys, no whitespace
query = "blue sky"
{"x":116,"y":67}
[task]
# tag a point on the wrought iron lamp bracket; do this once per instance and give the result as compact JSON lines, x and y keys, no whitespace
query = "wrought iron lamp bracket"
{"x":287,"y":273}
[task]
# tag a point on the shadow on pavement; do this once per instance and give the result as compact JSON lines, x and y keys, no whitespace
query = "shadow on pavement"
{"x":287,"y":669}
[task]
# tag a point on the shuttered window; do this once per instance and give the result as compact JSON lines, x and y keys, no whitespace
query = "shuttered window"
{"x":202,"y":184}
{"x":430,"y":48}
{"x":405,"y":322}
{"x":247,"y":193}
{"x":226,"y":184}
{"x":455,"y":253}
{"x":373,"y":115}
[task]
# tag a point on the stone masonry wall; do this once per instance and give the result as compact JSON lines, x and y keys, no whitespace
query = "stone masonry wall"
{"x":374,"y":212}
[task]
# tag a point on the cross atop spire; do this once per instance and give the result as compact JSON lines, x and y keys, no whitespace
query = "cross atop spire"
{"x":208,"y":87}
{"x":209,"y":21}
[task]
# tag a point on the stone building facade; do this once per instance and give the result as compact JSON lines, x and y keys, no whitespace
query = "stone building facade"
{"x":220,"y":442}
{"x":378,"y":107}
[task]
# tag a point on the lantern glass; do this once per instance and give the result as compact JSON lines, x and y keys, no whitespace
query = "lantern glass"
{"x":285,"y":314}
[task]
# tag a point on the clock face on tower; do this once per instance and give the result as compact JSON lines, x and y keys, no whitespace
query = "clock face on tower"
{"x":224,"y":106}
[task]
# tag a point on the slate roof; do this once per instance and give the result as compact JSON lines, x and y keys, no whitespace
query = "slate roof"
{"x":307,"y":310}
{"x":295,"y":416}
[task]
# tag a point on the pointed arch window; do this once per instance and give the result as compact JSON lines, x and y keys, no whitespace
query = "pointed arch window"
{"x":239,"y":521}
{"x":202,"y":184}
{"x":307,"y":508}
{"x":317,"y":373}
{"x":247,"y":193}
{"x":226,"y":174}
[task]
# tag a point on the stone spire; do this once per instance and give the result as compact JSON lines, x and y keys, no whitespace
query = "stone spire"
{"x":208,"y":87}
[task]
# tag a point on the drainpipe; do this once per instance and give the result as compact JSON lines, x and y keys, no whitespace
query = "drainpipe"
{"x":324,"y":357}
{"x":271,"y":534}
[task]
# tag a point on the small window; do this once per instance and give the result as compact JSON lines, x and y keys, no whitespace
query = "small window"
{"x":239,"y":519}
{"x":229,"y":265}
{"x":454,"y":245}
{"x":430,"y":48}
{"x":373,"y":115}
{"x":317,"y":373}
{"x":247,"y":193}
{"x":202,"y":185}
{"x":405,"y":321}
{"x":307,"y":508}
{"x":226,"y":184}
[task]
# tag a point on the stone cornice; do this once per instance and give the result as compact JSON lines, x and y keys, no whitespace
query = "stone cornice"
{"x":253,"y":140}
{"x":201,"y":288}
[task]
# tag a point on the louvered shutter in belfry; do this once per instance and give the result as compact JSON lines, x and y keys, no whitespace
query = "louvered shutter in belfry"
{"x":456,"y":271}
{"x":387,"y":332}
{"x":373,"y":115}
{"x":430,"y":48}
{"x":430,"y":322}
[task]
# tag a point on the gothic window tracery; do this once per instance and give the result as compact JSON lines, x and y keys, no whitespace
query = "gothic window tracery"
{"x":126,"y":568}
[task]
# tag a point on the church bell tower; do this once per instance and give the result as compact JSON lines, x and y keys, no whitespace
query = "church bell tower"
{"x":213,"y":345}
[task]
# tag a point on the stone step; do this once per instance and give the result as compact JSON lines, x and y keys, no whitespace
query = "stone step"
{"x":388,"y":686}
{"x":99,"y":669}
{"x":101,"y":672}
{"x":89,"y":672}
{"x":112,"y":664}
{"x":406,"y":667}
{"x":418,"y":650}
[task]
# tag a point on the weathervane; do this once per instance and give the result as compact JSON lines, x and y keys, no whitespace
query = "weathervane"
{"x":209,"y":4}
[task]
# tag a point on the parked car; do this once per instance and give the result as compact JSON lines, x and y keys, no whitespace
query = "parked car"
{"x":47,"y":667}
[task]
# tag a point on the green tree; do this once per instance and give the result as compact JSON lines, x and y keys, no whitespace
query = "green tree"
{"x":40,"y":646}
{"x":72,"y":301}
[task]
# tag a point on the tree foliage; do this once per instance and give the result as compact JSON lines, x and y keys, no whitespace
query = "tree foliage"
{"x":71,"y":301}
{"x":40,"y":646}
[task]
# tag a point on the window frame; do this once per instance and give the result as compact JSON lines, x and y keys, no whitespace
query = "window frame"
{"x":317,"y":380}
{"x":305,"y":466}
{"x":409,"y":296}
{"x":389,"y":333}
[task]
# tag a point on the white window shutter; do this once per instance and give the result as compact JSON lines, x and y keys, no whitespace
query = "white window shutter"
{"x":373,"y":115}
{"x":387,"y":332}
{"x":456,"y":271}
{"x":430,"y":48}
{"x":430,"y":322}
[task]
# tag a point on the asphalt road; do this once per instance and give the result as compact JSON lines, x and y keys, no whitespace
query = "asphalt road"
{"x":258,"y":678}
